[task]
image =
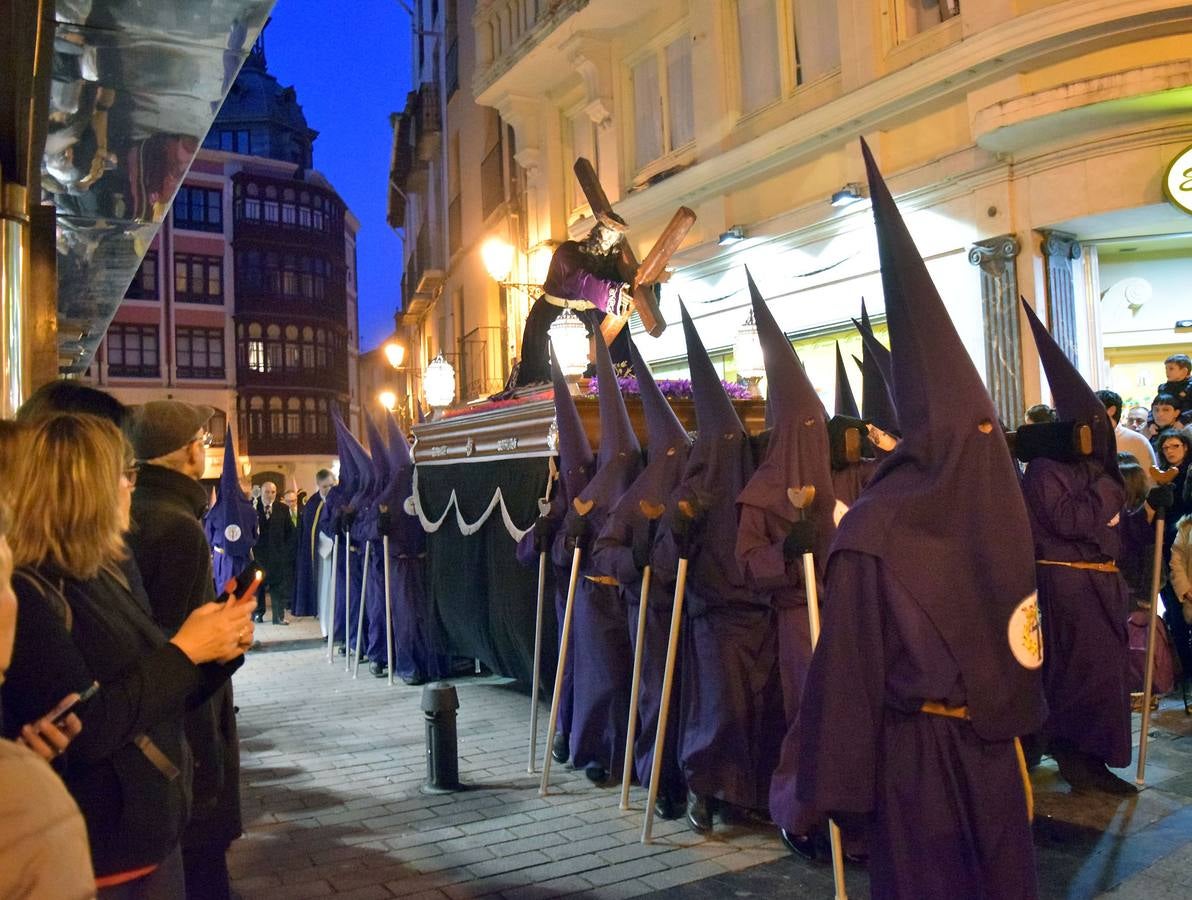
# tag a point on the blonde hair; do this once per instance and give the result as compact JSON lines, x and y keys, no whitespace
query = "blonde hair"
{"x":68,"y":506}
{"x":13,"y":455}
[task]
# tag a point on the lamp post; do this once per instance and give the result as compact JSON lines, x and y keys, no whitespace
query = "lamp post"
{"x":439,"y":383}
{"x":747,"y":354}
{"x":569,"y":338}
{"x":387,"y":399}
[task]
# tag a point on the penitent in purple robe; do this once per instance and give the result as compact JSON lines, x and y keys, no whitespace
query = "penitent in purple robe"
{"x":601,"y":647}
{"x":1086,"y":655}
{"x":612,"y":555}
{"x":949,"y":807}
{"x":730,"y":716}
{"x":306,"y":559}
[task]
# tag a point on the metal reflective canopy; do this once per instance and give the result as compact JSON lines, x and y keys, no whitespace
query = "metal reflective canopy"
{"x":135,"y":87}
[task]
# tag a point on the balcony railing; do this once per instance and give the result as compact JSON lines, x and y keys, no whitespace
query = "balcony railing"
{"x":507,"y":29}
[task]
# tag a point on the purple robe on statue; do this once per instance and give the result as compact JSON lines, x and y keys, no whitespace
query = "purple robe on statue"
{"x":1086,"y":665}
{"x":949,"y":807}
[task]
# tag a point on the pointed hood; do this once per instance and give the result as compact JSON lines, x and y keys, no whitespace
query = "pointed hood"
{"x":846,"y":403}
{"x":877,"y":401}
{"x":666,"y":450}
{"x":576,"y":460}
{"x":399,"y":449}
{"x":714,"y":412}
{"x":232,"y":520}
{"x":405,"y":530}
{"x":619,"y":458}
{"x":944,"y":512}
{"x":348,"y":480}
{"x":377,"y":451}
{"x":798,"y":454}
{"x":663,"y":428}
{"x":1072,"y":397}
{"x":718,"y":466}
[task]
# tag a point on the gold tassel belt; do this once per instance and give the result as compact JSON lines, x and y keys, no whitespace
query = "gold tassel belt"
{"x":961,"y":712}
{"x":1107,"y":567}
{"x":938,"y":709}
{"x":603,"y":579}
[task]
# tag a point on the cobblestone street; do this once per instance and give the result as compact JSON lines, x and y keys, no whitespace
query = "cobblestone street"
{"x":333,"y":770}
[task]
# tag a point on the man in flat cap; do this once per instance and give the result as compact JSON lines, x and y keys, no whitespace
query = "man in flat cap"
{"x":169,"y":439}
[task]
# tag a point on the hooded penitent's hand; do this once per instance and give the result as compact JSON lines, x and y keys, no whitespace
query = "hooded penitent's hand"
{"x":1161,"y":498}
{"x":578,"y":530}
{"x":800,"y":539}
{"x":544,"y":533}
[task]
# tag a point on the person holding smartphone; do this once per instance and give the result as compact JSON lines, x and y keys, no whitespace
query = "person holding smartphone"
{"x":169,"y":439}
{"x":84,"y":619}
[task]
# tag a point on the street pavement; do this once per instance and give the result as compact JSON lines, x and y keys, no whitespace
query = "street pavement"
{"x":332,"y":788}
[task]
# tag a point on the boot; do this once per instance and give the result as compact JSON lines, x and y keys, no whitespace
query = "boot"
{"x":800,"y":844}
{"x":667,"y":807}
{"x":699,"y":816}
{"x":560,"y":750}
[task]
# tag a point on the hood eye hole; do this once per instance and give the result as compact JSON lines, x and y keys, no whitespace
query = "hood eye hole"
{"x":985,"y":427}
{"x":809,"y":422}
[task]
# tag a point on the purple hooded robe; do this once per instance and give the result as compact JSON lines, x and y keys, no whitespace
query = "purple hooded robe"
{"x":932,"y":611}
{"x":798,"y":456}
{"x":1075,"y":510}
{"x":612,"y":554}
{"x":231,"y":523}
{"x":730,"y":717}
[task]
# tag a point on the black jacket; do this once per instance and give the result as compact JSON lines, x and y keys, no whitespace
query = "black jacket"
{"x":171,"y":551}
{"x":71,"y":633}
{"x":275,"y":546}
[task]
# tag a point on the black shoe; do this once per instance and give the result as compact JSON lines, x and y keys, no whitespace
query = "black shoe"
{"x":378,"y":670}
{"x":1106,"y":781}
{"x":699,"y":816}
{"x":800,"y":844}
{"x":560,"y":750}
{"x":667,"y":808}
{"x":340,"y":650}
{"x":413,"y":680}
{"x":257,"y":617}
{"x":596,"y":773}
{"x":1086,"y":773}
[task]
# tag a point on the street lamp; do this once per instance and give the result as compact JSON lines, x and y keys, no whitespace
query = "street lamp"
{"x":498,"y":258}
{"x":388,"y":399}
{"x":747,"y":354}
{"x":395,"y":353}
{"x":569,"y":338}
{"x":439,"y":383}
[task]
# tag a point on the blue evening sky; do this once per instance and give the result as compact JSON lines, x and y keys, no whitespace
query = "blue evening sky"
{"x":349,"y":61}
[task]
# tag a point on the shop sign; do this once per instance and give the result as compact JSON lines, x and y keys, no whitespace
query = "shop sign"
{"x":1177,"y":181}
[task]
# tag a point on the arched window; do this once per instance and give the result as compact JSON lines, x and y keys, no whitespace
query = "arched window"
{"x":293,"y":418}
{"x":277,"y":421}
{"x":310,"y":418}
{"x":324,"y":418}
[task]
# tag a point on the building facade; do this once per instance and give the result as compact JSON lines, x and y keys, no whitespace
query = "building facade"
{"x":246,"y":299}
{"x":1026,"y":141}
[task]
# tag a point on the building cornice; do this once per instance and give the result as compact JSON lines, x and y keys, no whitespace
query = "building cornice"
{"x":1042,"y":36}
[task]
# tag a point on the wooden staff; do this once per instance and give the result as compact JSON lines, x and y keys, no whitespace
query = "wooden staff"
{"x":1152,"y":632}
{"x":583,"y":507}
{"x":331,"y":606}
{"x":543,"y":509}
{"x":652,"y":514}
{"x":388,"y":611}
{"x":801,"y":498}
{"x":668,"y":680}
{"x":360,"y":615}
{"x":347,"y":598}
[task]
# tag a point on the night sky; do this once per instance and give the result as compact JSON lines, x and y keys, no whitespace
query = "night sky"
{"x":350,"y":64}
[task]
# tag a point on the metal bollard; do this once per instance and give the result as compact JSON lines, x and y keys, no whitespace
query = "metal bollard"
{"x":439,"y":703}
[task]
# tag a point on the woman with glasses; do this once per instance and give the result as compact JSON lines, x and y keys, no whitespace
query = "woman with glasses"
{"x":84,"y":620}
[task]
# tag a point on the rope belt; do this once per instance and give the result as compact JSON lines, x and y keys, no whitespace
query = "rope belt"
{"x":938,"y":709}
{"x":1090,"y":566}
{"x":603,"y":579}
{"x":933,"y":708}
